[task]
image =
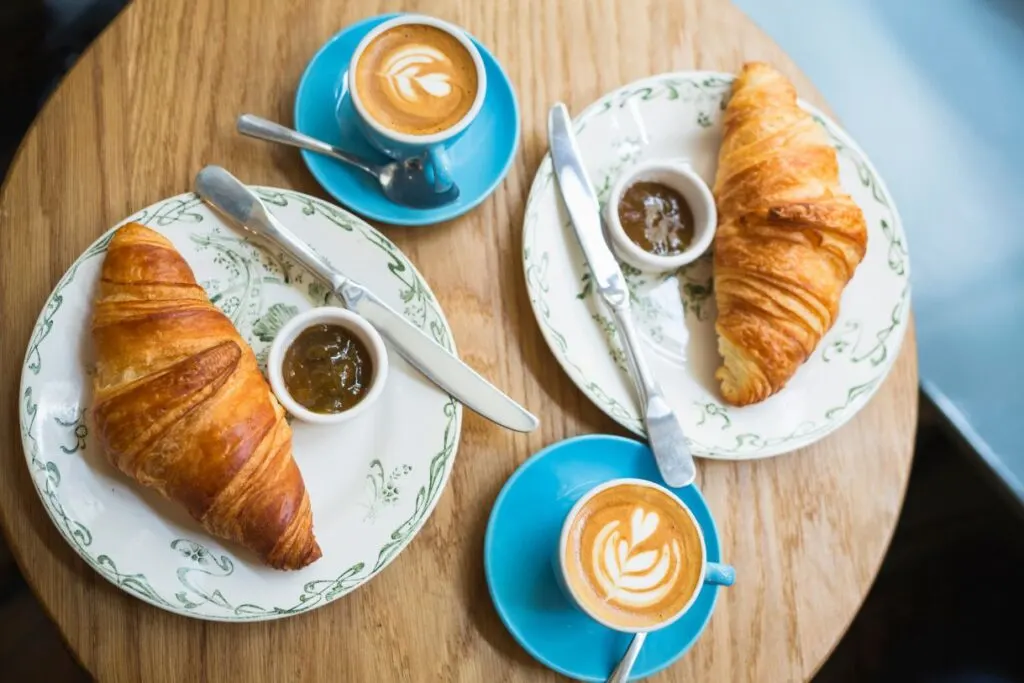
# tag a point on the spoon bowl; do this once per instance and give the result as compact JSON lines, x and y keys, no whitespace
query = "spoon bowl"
{"x":403,"y":182}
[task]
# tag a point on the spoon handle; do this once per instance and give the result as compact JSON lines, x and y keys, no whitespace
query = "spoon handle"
{"x":625,"y":667}
{"x":262,"y":129}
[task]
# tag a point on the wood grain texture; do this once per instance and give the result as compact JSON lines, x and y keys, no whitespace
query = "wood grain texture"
{"x":155,"y":99}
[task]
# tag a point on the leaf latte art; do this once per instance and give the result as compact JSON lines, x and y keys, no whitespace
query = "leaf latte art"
{"x":416,"y":79}
{"x":633,"y":556}
{"x":630,"y":576}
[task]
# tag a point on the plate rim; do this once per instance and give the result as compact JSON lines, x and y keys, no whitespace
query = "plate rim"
{"x":796,"y":442}
{"x":93,"y":563}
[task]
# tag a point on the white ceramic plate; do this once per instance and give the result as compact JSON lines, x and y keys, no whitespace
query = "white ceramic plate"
{"x":372,"y":482}
{"x":680,"y":116}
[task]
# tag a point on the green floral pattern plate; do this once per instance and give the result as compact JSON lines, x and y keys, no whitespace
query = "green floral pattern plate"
{"x":372,"y":483}
{"x":679,"y":115}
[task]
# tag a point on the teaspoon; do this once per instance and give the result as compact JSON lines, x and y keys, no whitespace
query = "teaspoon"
{"x":622,"y":671}
{"x":403,"y":182}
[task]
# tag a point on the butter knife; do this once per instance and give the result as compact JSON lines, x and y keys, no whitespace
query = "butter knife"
{"x":236,"y":201}
{"x":671,"y":452}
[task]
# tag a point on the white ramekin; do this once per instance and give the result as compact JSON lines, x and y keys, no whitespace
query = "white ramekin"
{"x":679,"y":176}
{"x":332,"y":316}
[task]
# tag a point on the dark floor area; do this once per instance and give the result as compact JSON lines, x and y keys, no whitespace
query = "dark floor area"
{"x":39,"y":41}
{"x":944,"y":607}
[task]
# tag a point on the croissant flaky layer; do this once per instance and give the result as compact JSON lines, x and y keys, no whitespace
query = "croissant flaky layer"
{"x":788,"y":240}
{"x":180,"y":404}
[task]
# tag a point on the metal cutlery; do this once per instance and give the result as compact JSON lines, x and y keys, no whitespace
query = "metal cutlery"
{"x":625,"y":667}
{"x":236,"y":201}
{"x":403,"y":182}
{"x":673,"y":456}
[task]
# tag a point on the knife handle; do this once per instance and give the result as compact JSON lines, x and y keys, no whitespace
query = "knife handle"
{"x":230,"y":195}
{"x":671,"y":452}
{"x":276,"y":232}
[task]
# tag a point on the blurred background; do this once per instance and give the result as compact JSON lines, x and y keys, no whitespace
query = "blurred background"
{"x":944,"y":607}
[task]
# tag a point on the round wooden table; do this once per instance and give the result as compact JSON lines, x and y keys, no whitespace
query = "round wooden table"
{"x":155,"y":99}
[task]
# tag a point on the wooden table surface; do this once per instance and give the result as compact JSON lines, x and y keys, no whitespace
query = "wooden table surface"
{"x":155,"y":99}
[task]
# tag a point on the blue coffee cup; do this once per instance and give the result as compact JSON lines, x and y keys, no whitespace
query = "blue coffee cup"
{"x":431,"y":149}
{"x":710,"y":572}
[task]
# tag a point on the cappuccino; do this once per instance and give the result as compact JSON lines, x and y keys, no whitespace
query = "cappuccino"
{"x":416,"y":79}
{"x":633,"y":556}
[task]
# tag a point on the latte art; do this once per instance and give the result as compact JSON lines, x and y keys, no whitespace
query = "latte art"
{"x":631,"y":576}
{"x":416,"y":79}
{"x":633,"y":556}
{"x":415,"y":72}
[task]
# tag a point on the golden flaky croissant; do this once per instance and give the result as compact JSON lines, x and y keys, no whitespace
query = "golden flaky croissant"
{"x":788,"y":237}
{"x":180,"y":404}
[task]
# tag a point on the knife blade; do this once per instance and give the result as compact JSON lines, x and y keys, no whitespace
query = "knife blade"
{"x":233,"y":199}
{"x":668,"y":443}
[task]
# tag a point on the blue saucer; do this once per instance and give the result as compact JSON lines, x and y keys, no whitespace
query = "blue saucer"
{"x":521,"y":536}
{"x":480,"y":159}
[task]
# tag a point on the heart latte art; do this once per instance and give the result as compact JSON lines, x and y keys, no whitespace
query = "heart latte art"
{"x":416,"y":79}
{"x":633,"y":556}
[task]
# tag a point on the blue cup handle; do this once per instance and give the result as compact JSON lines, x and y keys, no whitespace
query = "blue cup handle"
{"x":438,"y":168}
{"x":719,"y":574}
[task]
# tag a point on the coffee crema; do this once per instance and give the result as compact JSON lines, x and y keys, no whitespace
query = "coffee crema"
{"x":633,"y":556}
{"x":416,"y":79}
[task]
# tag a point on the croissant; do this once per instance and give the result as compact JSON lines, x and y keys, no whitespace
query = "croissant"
{"x":788,"y":240}
{"x":180,"y":404}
